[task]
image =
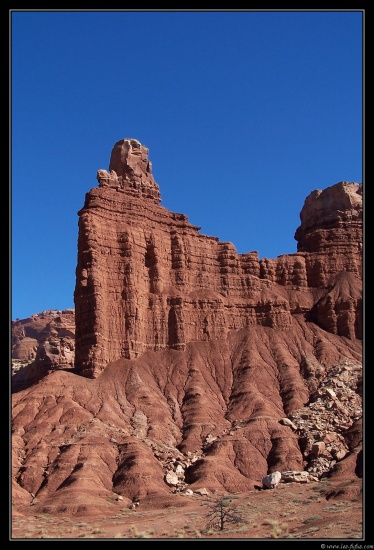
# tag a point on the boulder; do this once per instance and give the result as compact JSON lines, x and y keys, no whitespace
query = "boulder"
{"x":271,"y":481}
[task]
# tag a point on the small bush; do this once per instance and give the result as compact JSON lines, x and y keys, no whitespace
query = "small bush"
{"x":221,"y":513}
{"x":278,"y":529}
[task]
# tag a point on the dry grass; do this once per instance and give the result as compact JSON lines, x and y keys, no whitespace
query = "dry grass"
{"x":296,"y":512}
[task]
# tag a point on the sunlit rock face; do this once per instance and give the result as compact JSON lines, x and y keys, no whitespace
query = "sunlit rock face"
{"x":196,"y":368}
{"x":148,"y":280}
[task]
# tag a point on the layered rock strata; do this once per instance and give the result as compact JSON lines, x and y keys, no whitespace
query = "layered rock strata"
{"x":148,"y":280}
{"x":40,"y":344}
{"x":203,"y":370}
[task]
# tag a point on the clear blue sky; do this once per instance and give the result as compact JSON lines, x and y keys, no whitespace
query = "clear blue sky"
{"x":244,"y":114}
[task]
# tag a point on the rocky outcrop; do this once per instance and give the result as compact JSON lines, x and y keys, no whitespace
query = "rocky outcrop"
{"x":329,"y":426}
{"x":173,"y":421}
{"x":331,"y":222}
{"x":130,"y":171}
{"x":40,"y":344}
{"x":196,"y":368}
{"x":148,"y":280}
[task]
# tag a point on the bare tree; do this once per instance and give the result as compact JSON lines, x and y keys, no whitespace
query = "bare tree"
{"x":220,"y":513}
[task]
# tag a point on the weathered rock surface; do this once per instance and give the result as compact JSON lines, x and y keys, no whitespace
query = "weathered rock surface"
{"x":40,"y":344}
{"x":148,"y":280}
{"x":329,"y":426}
{"x":271,"y":481}
{"x":196,"y":368}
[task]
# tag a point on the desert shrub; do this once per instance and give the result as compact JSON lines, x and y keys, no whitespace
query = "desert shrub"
{"x":221,"y":513}
{"x":278,"y":529}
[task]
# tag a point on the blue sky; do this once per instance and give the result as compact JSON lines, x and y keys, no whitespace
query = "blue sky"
{"x":244,"y":113}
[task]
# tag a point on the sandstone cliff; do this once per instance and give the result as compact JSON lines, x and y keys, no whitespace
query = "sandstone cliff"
{"x":195,"y":366}
{"x":147,"y":280}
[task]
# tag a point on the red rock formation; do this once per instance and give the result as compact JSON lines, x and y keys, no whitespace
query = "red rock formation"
{"x":40,"y":344}
{"x":148,"y":280}
{"x":201,"y":366}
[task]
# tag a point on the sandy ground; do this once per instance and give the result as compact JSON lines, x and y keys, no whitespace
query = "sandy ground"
{"x":291,"y":511}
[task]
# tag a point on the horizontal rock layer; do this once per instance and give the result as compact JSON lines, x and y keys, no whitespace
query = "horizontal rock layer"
{"x":203,"y":369}
{"x":147,"y":279}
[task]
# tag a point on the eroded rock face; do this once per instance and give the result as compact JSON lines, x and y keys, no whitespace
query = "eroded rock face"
{"x":331,"y":221}
{"x":203,"y":370}
{"x":130,"y":171}
{"x":42,"y":343}
{"x":148,"y":280}
{"x":178,"y":420}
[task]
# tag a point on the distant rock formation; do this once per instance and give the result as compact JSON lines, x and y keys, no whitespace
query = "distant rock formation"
{"x":148,"y":280}
{"x":40,"y":344}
